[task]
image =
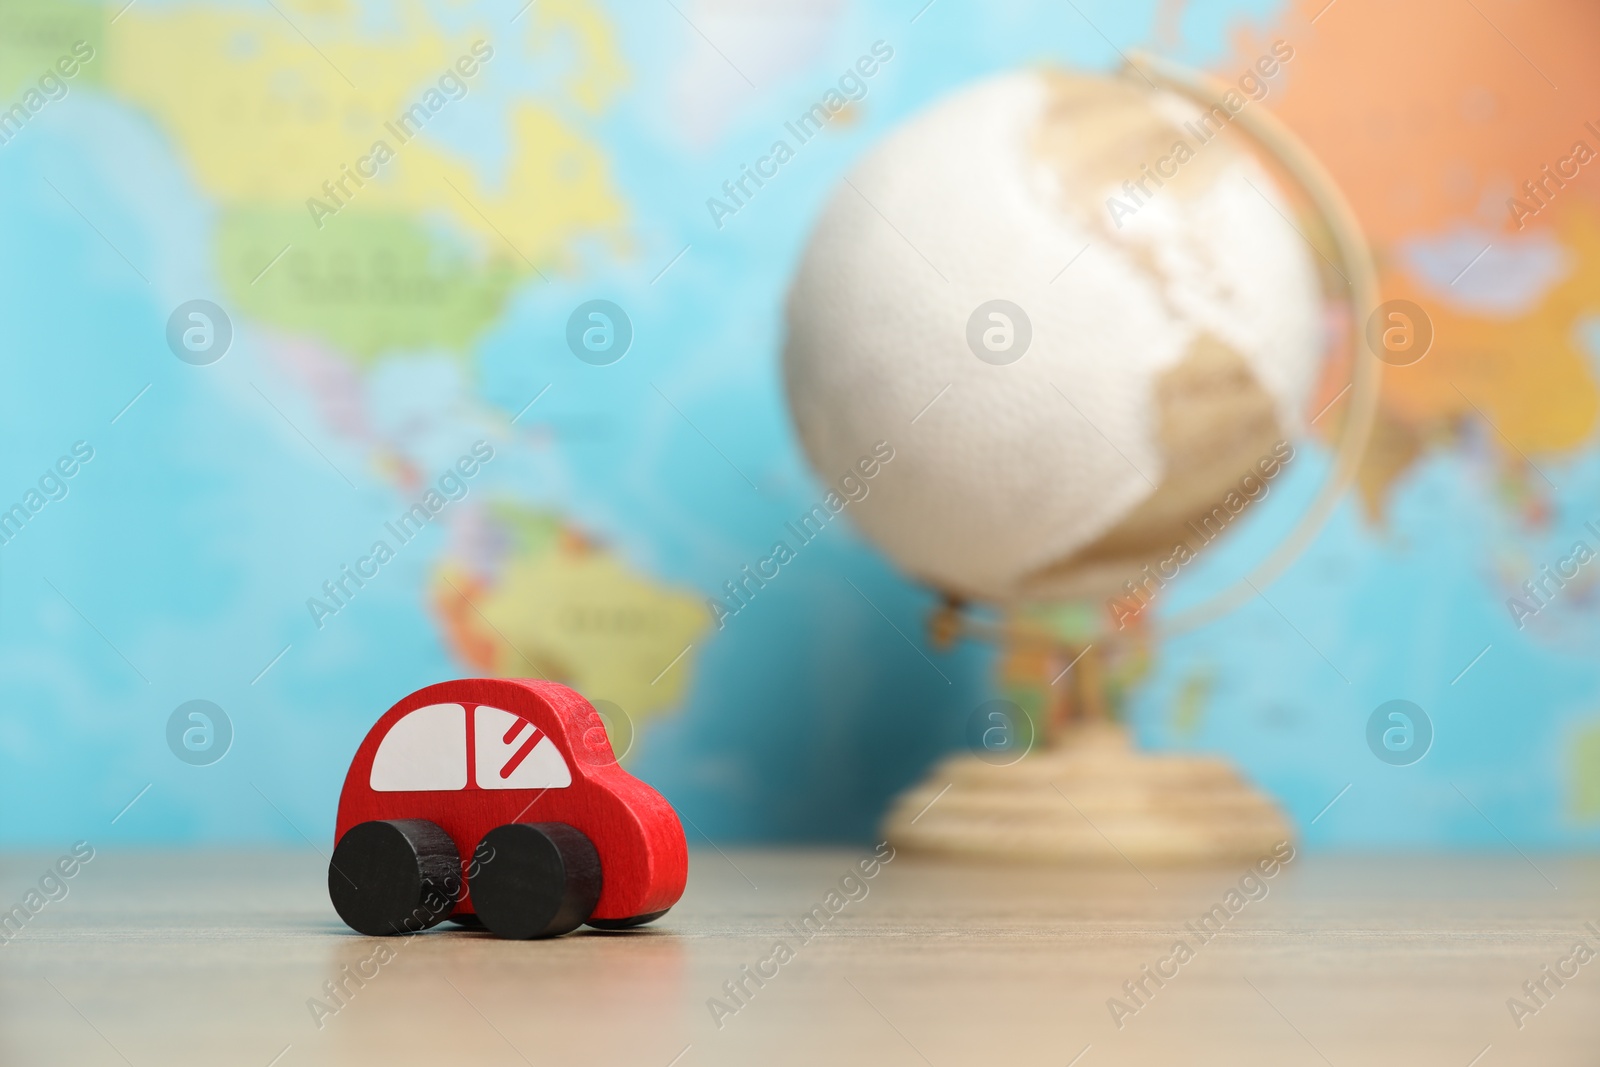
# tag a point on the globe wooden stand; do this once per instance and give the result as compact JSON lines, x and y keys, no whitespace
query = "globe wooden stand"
{"x":1081,"y":793}
{"x":1091,"y":798}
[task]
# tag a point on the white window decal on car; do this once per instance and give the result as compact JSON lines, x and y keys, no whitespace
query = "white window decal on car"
{"x":427,"y":749}
{"x":512,"y":753}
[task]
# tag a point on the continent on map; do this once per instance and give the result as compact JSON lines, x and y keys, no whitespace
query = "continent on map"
{"x":1480,"y":368}
{"x":534,"y":596}
{"x":1435,"y":165}
{"x":345,"y":218}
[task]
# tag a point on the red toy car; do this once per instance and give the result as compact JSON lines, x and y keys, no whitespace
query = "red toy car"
{"x":497,"y":802}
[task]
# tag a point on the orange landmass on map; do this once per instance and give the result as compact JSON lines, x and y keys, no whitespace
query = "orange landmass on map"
{"x":1431,"y":114}
{"x":1422,"y":110}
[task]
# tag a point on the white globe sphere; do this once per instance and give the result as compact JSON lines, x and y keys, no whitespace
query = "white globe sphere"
{"x":1149,"y":351}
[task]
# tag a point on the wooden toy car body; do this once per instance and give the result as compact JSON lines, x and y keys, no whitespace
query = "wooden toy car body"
{"x":474,"y":755}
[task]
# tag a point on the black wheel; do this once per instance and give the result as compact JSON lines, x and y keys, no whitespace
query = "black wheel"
{"x":535,"y":879}
{"x":467,"y":921}
{"x":394,"y":876}
{"x":629,"y":923}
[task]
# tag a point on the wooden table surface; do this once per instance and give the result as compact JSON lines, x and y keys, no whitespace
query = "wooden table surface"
{"x":217,"y":958}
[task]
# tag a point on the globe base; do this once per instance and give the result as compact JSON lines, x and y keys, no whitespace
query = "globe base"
{"x":1090,"y":798}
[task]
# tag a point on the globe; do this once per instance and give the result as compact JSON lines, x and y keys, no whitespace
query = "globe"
{"x":1080,"y":311}
{"x":1076,"y":308}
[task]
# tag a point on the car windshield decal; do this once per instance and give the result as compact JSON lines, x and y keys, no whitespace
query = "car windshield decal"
{"x":513,"y":753}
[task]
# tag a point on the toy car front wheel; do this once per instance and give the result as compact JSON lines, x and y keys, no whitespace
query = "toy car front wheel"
{"x":535,"y":879}
{"x":394,"y":876}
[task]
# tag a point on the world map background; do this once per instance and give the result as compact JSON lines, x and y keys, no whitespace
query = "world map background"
{"x":430,"y":312}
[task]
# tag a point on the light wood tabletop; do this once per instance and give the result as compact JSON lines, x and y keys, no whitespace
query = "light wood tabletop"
{"x":227,"y":958}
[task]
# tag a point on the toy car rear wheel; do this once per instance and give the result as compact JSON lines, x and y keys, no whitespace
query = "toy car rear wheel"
{"x":535,"y":879}
{"x":394,"y":876}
